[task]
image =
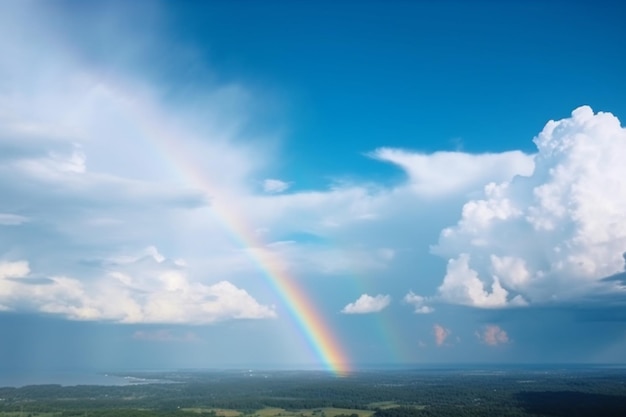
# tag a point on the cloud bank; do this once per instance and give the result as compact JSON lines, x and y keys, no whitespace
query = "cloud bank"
{"x":146,"y":289}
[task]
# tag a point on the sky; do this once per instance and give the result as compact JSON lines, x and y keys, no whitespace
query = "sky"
{"x":311,"y":185}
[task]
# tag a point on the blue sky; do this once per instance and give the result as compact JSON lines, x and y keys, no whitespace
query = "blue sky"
{"x":443,"y":181}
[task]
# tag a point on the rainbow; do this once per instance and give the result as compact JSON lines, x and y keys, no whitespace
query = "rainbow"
{"x":317,"y":332}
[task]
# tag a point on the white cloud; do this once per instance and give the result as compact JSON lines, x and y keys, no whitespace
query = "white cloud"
{"x":550,"y":236}
{"x":144,"y":290}
{"x":17,"y":269}
{"x":493,"y":335}
{"x":462,"y":285}
{"x":275,"y":186}
{"x":443,"y":173}
{"x":418,"y":302}
{"x":367,"y":304}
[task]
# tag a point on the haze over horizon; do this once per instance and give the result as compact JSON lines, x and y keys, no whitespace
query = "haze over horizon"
{"x":218,"y":184}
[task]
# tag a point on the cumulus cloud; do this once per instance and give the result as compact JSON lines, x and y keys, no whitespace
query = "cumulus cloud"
{"x":441,"y":334}
{"x":275,"y":186}
{"x":418,"y":302}
{"x":550,"y":236}
{"x":367,"y":304}
{"x":149,"y":289}
{"x":493,"y":335}
{"x":462,"y":285}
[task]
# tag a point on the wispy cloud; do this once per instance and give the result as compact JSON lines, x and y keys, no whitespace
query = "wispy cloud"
{"x":8,"y":219}
{"x":274,"y":186}
{"x":443,"y":173}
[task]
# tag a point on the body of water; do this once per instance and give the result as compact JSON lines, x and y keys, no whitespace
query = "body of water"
{"x":21,"y":378}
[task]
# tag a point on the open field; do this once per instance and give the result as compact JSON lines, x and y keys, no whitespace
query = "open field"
{"x":281,"y":412}
{"x":386,"y":405}
{"x":383,"y":405}
{"x":220,"y":412}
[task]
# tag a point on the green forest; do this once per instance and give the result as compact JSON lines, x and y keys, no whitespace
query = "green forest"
{"x":415,"y":393}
